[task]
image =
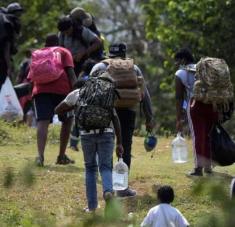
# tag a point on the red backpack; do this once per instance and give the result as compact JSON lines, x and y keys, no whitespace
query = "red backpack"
{"x":46,"y":65}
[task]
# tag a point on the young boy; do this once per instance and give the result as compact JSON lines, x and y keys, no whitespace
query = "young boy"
{"x":164,"y":215}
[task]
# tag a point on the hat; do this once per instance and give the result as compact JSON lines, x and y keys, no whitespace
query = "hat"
{"x":14,"y":7}
{"x":79,"y":13}
{"x":117,"y":49}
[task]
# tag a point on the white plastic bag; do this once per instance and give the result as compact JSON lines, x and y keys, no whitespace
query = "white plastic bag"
{"x":10,"y":108}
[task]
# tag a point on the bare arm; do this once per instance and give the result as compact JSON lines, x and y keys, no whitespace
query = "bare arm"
{"x":117,"y":128}
{"x":71,"y":75}
{"x":147,"y":109}
{"x":63,"y":108}
{"x":179,"y":95}
{"x":96,"y":44}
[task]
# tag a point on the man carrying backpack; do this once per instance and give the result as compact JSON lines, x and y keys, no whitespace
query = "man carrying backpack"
{"x":127,"y":77}
{"x":209,"y":92}
{"x":211,"y":103}
{"x":53,"y":77}
{"x":81,"y":41}
{"x":9,"y":29}
{"x":79,"y":15}
{"x":96,"y":116}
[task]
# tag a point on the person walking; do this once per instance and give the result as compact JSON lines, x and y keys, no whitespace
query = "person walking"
{"x":201,"y":116}
{"x":81,"y":41}
{"x":93,"y":101}
{"x":127,"y":115}
{"x":47,"y":95}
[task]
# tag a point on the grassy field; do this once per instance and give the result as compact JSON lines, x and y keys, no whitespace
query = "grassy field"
{"x":55,"y":195}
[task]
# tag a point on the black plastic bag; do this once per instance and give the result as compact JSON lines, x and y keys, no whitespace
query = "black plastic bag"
{"x":23,"y":89}
{"x":222,"y":146}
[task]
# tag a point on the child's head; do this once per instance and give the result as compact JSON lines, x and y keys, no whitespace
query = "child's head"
{"x":165,"y":194}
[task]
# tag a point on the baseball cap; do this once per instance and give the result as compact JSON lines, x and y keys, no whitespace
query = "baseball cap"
{"x":14,"y":7}
{"x":117,"y":49}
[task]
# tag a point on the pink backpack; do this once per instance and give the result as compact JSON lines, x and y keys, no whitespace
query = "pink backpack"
{"x":46,"y":65}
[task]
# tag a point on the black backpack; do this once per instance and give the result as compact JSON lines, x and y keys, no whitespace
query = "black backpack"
{"x":222,"y":146}
{"x":96,"y":103}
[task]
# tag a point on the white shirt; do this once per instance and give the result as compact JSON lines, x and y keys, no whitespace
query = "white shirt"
{"x":187,"y":76}
{"x":164,"y":215}
{"x":72,"y":98}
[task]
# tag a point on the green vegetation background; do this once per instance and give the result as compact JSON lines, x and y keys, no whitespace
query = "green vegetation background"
{"x":153,"y":30}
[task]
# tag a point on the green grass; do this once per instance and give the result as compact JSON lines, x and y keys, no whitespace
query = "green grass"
{"x":55,"y":195}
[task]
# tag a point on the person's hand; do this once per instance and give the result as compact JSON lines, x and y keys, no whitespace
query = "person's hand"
{"x":179,"y":126}
{"x":149,"y":125}
{"x":119,"y":150}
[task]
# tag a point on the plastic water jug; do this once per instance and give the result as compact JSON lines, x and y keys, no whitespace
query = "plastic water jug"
{"x":179,"y":149}
{"x":120,"y":176}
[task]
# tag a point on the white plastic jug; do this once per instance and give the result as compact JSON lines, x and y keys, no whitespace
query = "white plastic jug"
{"x":120,"y":175}
{"x":179,"y":149}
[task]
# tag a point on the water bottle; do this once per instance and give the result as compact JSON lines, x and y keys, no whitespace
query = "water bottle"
{"x":179,"y":149}
{"x":120,"y":176}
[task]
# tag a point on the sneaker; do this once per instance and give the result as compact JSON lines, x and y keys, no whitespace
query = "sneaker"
{"x":39,"y":161}
{"x":64,"y":160}
{"x":197,"y":172}
{"x":74,"y":148}
{"x":108,"y":196}
{"x":126,"y":193}
{"x":87,"y":210}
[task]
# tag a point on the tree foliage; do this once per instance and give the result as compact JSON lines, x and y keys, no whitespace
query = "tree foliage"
{"x":153,"y":31}
{"x":39,"y":18}
{"x":205,"y":27}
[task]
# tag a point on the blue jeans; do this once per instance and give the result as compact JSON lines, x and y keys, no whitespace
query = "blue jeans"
{"x":102,"y":145}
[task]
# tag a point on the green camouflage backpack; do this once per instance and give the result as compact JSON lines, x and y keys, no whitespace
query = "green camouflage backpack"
{"x":213,"y":84}
{"x":96,"y":103}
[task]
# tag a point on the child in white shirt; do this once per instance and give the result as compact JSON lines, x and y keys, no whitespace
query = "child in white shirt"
{"x":164,"y":215}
